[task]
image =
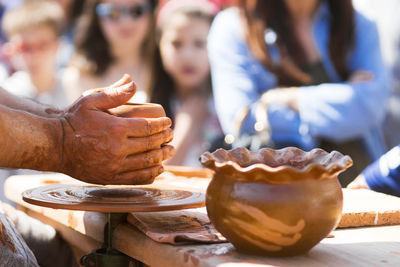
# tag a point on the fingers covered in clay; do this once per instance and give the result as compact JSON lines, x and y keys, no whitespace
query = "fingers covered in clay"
{"x":142,"y":144}
{"x":101,"y":148}
{"x":140,"y":127}
{"x":142,"y":176}
{"x":148,"y":158}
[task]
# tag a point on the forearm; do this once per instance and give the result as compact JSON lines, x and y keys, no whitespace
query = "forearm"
{"x":384,"y":174}
{"x":26,"y":104}
{"x":29,"y":141}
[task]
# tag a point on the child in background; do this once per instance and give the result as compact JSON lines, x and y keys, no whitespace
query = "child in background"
{"x":183,"y":84}
{"x":33,"y":30}
{"x":113,"y":37}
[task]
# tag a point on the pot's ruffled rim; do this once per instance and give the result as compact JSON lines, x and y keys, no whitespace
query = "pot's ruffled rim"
{"x":281,"y":166}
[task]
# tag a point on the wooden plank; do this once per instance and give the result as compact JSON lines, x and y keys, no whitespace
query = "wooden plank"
{"x":361,"y":207}
{"x":368,"y":208}
{"x":189,"y":172}
{"x":81,"y":242}
{"x":378,"y":246}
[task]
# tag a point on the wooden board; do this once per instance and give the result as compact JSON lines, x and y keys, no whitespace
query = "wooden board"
{"x":373,"y":246}
{"x":367,"y":208}
{"x":359,"y":247}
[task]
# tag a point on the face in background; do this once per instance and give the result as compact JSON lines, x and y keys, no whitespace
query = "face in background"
{"x":34,"y":49}
{"x":123,"y":31}
{"x":183,"y":48}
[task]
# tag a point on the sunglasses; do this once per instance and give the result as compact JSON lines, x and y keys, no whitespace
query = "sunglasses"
{"x":113,"y":12}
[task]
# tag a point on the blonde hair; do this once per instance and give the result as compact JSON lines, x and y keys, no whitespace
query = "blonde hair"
{"x":33,"y":14}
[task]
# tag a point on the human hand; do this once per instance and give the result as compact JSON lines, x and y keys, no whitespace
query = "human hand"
{"x":358,"y":183}
{"x":287,"y":96}
{"x":361,"y":76}
{"x":131,"y":110}
{"x":101,"y":148}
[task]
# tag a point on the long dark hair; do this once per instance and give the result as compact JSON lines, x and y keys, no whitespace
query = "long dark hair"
{"x":92,"y":50}
{"x":163,"y":89}
{"x":274,"y":14}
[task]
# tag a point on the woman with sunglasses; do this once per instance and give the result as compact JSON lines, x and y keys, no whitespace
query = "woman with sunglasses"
{"x":308,"y":73}
{"x":113,"y":37}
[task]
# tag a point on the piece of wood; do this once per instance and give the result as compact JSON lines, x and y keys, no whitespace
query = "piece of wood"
{"x":367,"y":208}
{"x":84,"y":243}
{"x":188,"y":171}
{"x":375,"y":246}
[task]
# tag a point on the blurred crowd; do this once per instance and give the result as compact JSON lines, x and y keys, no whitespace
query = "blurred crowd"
{"x":315,"y":73}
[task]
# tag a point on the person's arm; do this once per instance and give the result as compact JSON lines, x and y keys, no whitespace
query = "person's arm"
{"x":349,"y":109}
{"x":239,"y":80}
{"x":86,"y":142}
{"x":234,"y":86}
{"x":383,"y":175}
{"x":29,"y":141}
{"x":335,"y":110}
{"x":28,"y":105}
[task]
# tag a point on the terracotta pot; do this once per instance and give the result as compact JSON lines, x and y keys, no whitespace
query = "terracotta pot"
{"x":275,"y":202}
{"x":134,"y":110}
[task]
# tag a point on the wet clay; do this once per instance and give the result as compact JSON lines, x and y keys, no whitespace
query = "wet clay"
{"x":112,"y":199}
{"x":275,"y":202}
{"x":135,"y":110}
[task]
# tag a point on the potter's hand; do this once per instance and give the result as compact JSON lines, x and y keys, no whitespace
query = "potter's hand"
{"x":358,"y":183}
{"x":104,"y":149}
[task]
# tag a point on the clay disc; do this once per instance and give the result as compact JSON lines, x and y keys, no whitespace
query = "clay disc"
{"x":112,"y":199}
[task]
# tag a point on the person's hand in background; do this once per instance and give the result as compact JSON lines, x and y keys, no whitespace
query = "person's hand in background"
{"x":358,"y":183}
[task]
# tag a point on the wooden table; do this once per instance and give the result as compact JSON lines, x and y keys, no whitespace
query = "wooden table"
{"x":371,"y":246}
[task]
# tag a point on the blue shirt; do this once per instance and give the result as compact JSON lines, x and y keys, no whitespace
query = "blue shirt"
{"x":384,"y":174}
{"x":337,"y":111}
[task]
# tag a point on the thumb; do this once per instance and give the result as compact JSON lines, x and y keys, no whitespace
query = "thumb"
{"x":112,"y":97}
{"x":124,"y":80}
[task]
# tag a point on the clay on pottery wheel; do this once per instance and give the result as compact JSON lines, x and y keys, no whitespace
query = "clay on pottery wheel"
{"x":112,"y":199}
{"x":275,"y":202}
{"x":133,"y":110}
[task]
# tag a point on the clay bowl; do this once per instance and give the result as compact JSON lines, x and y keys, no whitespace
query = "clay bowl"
{"x":134,"y":110}
{"x":275,"y":202}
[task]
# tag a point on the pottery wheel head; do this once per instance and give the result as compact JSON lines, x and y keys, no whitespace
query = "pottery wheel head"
{"x":112,"y":199}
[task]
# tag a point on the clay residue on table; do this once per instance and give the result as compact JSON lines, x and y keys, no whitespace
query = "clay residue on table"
{"x":195,"y":255}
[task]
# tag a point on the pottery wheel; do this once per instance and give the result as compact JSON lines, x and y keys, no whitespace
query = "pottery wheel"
{"x":112,"y":199}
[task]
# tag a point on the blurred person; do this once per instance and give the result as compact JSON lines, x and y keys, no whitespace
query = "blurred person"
{"x":115,"y":36}
{"x":384,"y":13}
{"x":382,"y":176}
{"x":72,"y":10}
{"x":183,"y":85}
{"x":33,"y":30}
{"x":313,"y":69}
{"x":84,"y":141}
